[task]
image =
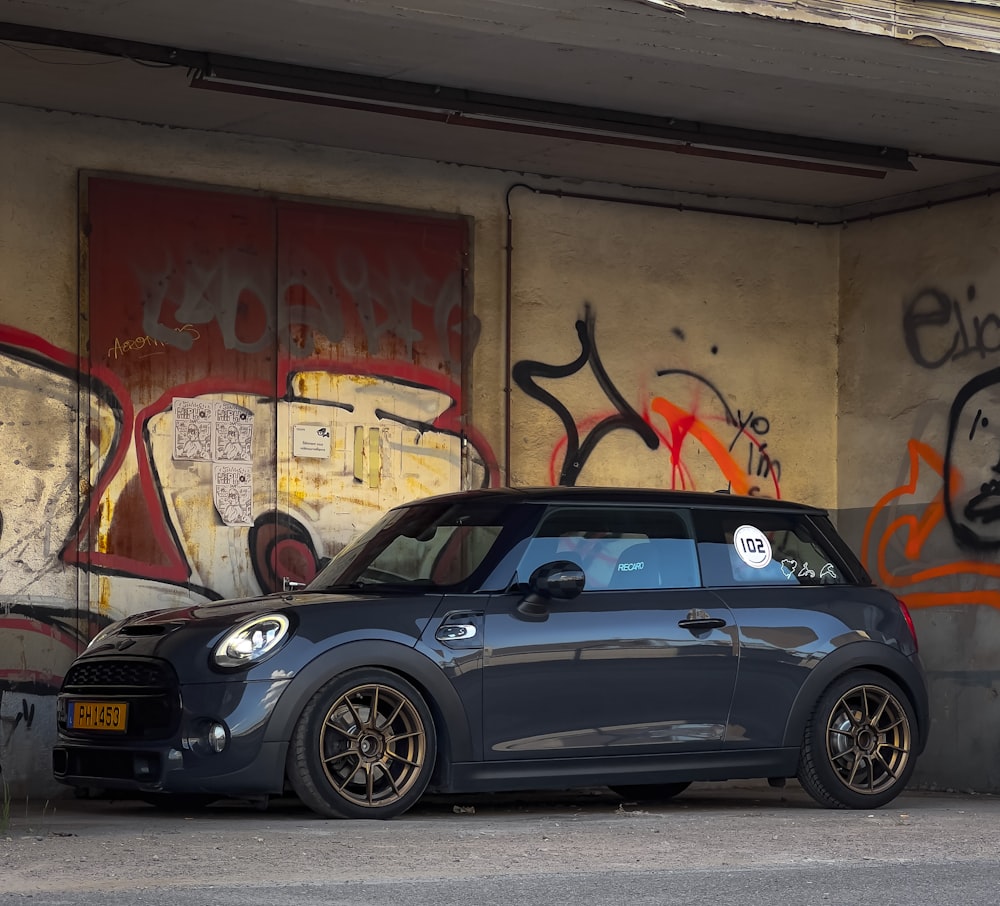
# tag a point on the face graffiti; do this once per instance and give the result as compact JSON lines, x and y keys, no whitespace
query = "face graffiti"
{"x":972,"y":462}
{"x":934,"y":537}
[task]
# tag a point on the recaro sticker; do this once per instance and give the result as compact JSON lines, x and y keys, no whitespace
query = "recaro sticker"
{"x":752,"y":546}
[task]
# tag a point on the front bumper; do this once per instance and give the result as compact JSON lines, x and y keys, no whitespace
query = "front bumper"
{"x":165,"y":743}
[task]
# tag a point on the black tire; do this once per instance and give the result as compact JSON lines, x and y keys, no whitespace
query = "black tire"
{"x":858,"y":747}
{"x":364,"y":747}
{"x":650,"y":792}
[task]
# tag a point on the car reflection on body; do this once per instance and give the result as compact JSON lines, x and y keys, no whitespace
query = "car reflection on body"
{"x":519,"y":639}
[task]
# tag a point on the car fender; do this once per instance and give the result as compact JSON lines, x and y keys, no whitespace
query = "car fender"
{"x":442,"y":699}
{"x":906,"y":672}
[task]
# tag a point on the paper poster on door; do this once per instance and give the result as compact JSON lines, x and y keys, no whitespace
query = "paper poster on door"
{"x":221,"y":433}
{"x":212,"y":431}
{"x":193,"y":424}
{"x":232,"y":488}
{"x":233,"y":439}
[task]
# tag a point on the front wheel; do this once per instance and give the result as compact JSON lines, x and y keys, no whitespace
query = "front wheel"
{"x":364,"y":747}
{"x":858,"y":749}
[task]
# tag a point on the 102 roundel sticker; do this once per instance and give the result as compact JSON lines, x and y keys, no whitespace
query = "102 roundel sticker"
{"x":752,"y":546}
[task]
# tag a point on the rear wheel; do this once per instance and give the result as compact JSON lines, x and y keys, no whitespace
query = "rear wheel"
{"x":364,"y":747}
{"x":858,"y":746}
{"x":650,"y":792}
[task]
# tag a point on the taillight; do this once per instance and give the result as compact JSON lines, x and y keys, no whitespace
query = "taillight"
{"x":909,"y":622}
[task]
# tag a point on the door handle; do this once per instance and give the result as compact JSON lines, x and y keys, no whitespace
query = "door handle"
{"x":701,"y":624}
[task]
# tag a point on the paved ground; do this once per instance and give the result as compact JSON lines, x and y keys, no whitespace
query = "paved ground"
{"x":716,"y":843}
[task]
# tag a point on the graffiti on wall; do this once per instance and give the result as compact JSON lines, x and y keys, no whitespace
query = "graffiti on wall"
{"x":41,"y":435}
{"x":934,"y":536}
{"x":682,"y":415}
{"x":939,"y":328}
{"x":339,"y":335}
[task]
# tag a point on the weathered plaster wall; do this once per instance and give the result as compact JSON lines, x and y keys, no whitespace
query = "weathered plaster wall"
{"x":708,"y":342}
{"x":918,"y":456}
{"x":710,"y":349}
{"x":48,"y":606}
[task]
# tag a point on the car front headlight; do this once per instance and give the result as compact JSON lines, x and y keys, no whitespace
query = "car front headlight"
{"x":251,"y":642}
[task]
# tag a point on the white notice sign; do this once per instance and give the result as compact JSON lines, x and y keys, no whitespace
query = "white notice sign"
{"x":311,"y":441}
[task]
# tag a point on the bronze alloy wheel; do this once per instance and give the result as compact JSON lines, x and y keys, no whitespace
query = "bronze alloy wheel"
{"x":363,"y":747}
{"x":859,"y":746}
{"x":868,"y":739}
{"x":372,"y":745}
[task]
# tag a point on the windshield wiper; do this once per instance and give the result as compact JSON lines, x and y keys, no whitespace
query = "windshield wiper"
{"x":369,"y":586}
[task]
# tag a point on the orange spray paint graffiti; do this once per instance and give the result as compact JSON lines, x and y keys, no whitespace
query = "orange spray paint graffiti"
{"x":706,"y":425}
{"x":963,"y":510}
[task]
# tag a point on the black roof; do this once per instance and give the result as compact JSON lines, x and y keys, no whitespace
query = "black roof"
{"x":631,"y":495}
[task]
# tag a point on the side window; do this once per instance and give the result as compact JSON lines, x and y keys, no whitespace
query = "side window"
{"x":753,"y":548}
{"x":646,"y":547}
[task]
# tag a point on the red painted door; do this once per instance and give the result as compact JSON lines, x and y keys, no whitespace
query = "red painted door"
{"x":266,"y":378}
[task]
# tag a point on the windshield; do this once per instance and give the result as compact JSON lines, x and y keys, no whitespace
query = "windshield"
{"x":424,"y":545}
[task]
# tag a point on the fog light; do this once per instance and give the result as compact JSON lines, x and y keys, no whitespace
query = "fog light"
{"x":217,"y":737}
{"x":207,"y":737}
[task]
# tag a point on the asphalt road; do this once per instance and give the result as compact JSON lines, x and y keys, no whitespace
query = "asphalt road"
{"x":718,"y":843}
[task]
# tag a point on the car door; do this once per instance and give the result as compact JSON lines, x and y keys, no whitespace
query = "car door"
{"x":643,"y":661}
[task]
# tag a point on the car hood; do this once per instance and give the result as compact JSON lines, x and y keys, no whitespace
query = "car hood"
{"x":318,"y":621}
{"x":235,"y":610}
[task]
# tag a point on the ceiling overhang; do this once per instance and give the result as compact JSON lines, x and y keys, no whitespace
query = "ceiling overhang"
{"x":812,"y":122}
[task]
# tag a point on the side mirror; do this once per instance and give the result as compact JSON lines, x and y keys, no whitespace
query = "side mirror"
{"x":560,"y":579}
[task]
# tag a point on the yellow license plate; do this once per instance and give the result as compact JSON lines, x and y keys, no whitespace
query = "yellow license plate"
{"x":111,"y":716}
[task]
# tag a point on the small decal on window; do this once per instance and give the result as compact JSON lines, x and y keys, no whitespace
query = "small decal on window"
{"x":752,"y":546}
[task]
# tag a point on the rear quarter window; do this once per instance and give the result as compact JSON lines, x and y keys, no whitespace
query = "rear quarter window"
{"x":751,"y":548}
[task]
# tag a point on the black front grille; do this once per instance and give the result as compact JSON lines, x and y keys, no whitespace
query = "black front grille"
{"x":149,"y":688}
{"x":105,"y":673}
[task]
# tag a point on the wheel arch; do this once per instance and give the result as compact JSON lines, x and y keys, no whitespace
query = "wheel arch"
{"x":903,"y":671}
{"x":452,"y":730}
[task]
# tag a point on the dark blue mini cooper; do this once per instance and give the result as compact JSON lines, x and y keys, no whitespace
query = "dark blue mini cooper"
{"x":518,"y":639}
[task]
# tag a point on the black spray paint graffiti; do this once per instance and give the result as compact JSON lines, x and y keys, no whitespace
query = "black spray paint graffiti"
{"x":972,"y":463}
{"x":759,"y":461}
{"x":577,"y":452}
{"x":938,"y":330}
{"x":26,"y":713}
{"x":24,"y":717}
{"x":750,"y":427}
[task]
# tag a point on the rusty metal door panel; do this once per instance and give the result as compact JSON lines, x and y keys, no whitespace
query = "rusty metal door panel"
{"x":283,"y":373}
{"x":181,"y":315}
{"x":373,"y":318}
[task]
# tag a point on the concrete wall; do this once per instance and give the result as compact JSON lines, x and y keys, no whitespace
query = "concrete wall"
{"x":707,"y":341}
{"x":678,"y":349}
{"x":919,"y":456}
